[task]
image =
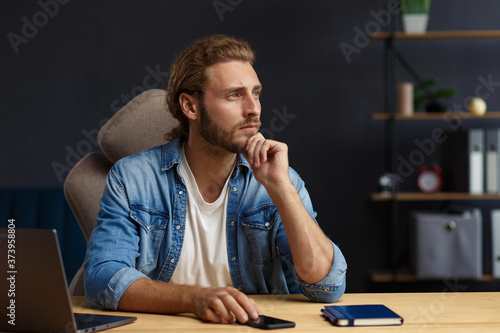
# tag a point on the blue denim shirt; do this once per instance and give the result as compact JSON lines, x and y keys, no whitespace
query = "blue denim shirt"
{"x":140,"y":231}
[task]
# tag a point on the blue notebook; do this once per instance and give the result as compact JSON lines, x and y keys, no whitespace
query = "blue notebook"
{"x":361,"y":315}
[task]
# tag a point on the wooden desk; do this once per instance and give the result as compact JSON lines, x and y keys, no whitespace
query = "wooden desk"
{"x":436,"y":312}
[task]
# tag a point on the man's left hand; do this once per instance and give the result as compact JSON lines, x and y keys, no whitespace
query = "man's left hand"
{"x":268,"y":159}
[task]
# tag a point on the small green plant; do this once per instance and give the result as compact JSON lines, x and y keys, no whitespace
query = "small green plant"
{"x":423,"y":93}
{"x":415,"y":6}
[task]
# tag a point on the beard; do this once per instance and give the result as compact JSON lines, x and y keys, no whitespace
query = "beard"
{"x":220,"y":137}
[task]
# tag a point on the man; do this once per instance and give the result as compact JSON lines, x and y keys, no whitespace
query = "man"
{"x":213,"y":215}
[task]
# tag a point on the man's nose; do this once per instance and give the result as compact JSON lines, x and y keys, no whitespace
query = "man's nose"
{"x":252,"y":106}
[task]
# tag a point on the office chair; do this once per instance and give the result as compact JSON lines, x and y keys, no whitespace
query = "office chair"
{"x":139,"y":125}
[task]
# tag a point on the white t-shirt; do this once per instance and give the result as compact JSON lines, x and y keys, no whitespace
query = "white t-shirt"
{"x":203,"y":261}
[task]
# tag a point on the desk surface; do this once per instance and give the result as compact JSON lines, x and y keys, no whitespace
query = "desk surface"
{"x":447,"y":311}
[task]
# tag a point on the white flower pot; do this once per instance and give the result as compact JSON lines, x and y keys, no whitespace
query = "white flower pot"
{"x":415,"y":23}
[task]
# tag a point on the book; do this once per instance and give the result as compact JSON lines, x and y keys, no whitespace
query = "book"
{"x":456,"y":162}
{"x":492,"y":161}
{"x":476,"y":160}
{"x":464,"y":162}
{"x":495,"y":239}
{"x":361,"y":315}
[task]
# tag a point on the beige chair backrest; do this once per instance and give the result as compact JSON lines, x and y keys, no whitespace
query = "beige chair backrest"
{"x":139,"y":125}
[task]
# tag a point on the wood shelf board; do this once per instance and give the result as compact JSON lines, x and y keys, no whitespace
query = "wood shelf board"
{"x":381,"y":276}
{"x":436,"y":116}
{"x":418,"y":196}
{"x":429,"y":35}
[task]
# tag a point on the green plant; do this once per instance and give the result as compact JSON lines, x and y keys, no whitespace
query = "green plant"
{"x":415,"y":6}
{"x":423,"y":93}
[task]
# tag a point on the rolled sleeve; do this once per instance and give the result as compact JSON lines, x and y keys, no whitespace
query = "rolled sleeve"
{"x":117,"y":286}
{"x":332,"y":287}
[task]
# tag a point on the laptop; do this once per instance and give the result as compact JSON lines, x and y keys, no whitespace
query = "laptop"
{"x":34,"y":288}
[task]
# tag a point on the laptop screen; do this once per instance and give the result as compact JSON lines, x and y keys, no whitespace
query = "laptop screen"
{"x":37,"y":295}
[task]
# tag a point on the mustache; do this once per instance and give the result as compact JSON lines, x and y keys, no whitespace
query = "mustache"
{"x":254,"y":121}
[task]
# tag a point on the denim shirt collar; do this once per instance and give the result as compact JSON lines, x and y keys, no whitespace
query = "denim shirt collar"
{"x":171,"y":156}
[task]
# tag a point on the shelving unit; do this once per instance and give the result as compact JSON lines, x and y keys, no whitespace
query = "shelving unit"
{"x":406,"y":276}
{"x":439,"y":196}
{"x":435,"y":116}
{"x":457,"y":34}
{"x":392,"y":118}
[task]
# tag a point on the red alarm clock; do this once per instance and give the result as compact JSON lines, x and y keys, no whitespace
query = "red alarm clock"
{"x":430,"y":180}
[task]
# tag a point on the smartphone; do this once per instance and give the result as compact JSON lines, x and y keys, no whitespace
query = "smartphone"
{"x":270,"y":323}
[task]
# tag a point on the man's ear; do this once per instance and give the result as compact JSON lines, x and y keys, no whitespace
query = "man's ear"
{"x":189,"y":105}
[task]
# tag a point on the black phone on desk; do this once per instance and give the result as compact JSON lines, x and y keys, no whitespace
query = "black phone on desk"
{"x":269,"y":323}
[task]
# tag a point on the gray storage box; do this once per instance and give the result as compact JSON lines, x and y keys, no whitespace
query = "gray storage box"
{"x":447,"y":246}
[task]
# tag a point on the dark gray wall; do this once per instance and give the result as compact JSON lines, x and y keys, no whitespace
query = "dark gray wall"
{"x":64,"y":73}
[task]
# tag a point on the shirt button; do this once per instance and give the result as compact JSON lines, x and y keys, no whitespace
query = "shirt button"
{"x":233,"y":259}
{"x":181,"y":192}
{"x":172,"y":260}
{"x":235,"y":189}
{"x":267,"y":224}
{"x":327,"y":289}
{"x":178,"y":227}
{"x":232,"y":224}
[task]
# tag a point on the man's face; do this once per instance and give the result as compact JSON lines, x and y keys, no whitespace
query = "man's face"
{"x":230,"y":108}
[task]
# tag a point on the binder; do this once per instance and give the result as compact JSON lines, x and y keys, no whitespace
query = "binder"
{"x":455,"y":163}
{"x":495,"y":242}
{"x":476,"y":161}
{"x":492,"y":161}
{"x":463,"y":161}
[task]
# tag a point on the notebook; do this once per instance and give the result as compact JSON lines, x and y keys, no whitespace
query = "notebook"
{"x":361,"y":315}
{"x":35,"y":285}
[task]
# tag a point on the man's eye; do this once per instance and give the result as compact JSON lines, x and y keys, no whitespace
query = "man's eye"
{"x":256,"y":93}
{"x":233,"y":95}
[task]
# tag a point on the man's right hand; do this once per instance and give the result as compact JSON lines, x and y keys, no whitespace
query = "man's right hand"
{"x":223,"y":305}
{"x":217,"y":305}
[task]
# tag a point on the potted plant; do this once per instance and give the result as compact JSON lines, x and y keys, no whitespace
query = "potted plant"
{"x":423,"y":94}
{"x":415,"y":15}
